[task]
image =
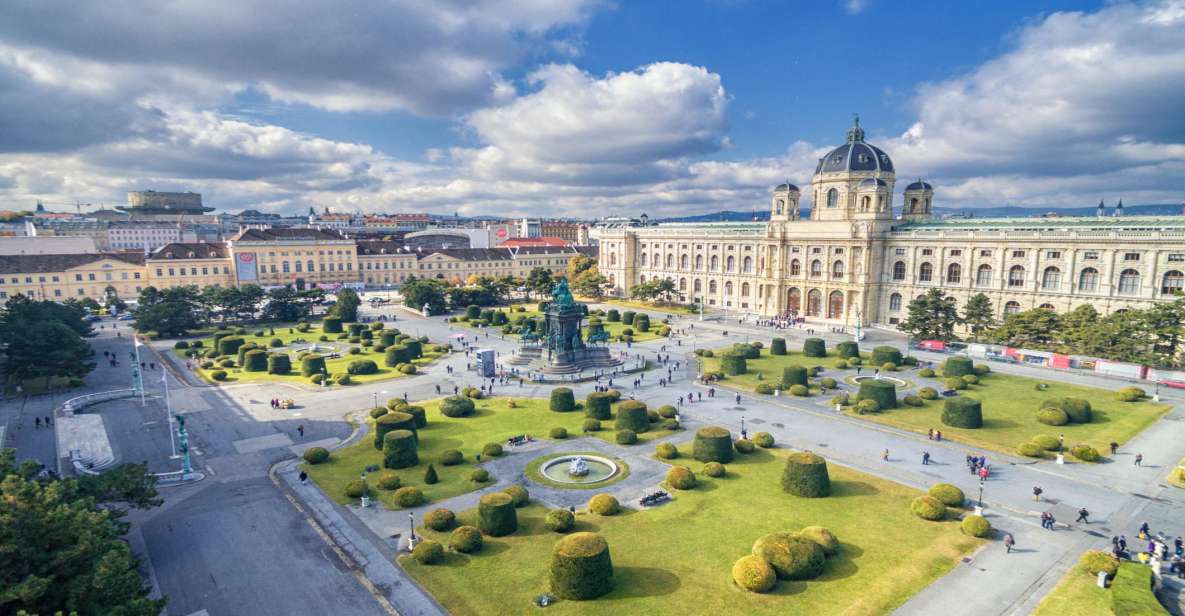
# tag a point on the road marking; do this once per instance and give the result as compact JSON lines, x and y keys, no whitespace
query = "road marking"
{"x":200,"y":613}
{"x":259,"y":443}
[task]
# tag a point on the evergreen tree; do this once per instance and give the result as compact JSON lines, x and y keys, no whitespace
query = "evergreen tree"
{"x":1031,"y":329}
{"x":430,"y":475}
{"x":931,"y":317}
{"x":978,"y":315}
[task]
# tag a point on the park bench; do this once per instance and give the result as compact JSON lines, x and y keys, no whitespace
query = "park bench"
{"x":515,"y":441}
{"x":949,"y":392}
{"x":654,"y":498}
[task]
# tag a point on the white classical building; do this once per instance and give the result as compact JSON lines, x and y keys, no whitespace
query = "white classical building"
{"x":854,"y":262}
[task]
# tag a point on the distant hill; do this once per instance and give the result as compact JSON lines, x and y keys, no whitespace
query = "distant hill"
{"x":1008,"y":211}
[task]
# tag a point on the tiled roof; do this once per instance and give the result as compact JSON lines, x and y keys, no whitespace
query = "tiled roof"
{"x":271,"y":235}
{"x":33,"y":264}
{"x":379,"y":247}
{"x":1111,"y":223}
{"x":189,"y":250}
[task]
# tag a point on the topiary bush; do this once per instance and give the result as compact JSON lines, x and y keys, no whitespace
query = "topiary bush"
{"x":748,"y":351}
{"x":793,"y":375}
{"x":1130,"y":394}
{"x":1052,"y":416}
{"x":680,"y":478}
{"x":1030,"y":449}
{"x":427,"y":552}
{"x":764,"y":440}
{"x":479,"y":475}
{"x":355,"y":489}
{"x":1085,"y":452}
{"x":864,"y":407}
{"x":733,"y":364}
{"x":558,"y":433}
{"x":409,"y":496}
{"x":466,"y":540}
{"x":331,"y":325}
{"x":882,"y":354}
{"x":764,"y":389}
{"x":962,"y":412}
{"x":518,"y":494}
{"x":827,"y":382}
{"x":279,"y":363}
{"x":957,"y":366}
{"x":799,"y":390}
{"x":625,"y":437}
{"x":806,"y":475}
{"x":627,"y":317}
{"x":581,"y":567}
{"x":1046,"y":442}
{"x":970,"y":379}
{"x":712,"y":444}
{"x":598,"y":405}
{"x":912,"y":400}
{"x":744,"y":445}
{"x":631,"y":415}
{"x":792,"y":557}
{"x":390,"y":421}
{"x":1077,"y":409}
{"x":926,"y":373}
{"x":451,"y":457}
{"x":491,"y":450}
{"x":928,"y":508}
{"x":955,"y":382}
{"x":847,"y":349}
{"x":947,"y":494}
{"x":399,"y":449}
{"x":562,"y":400}
{"x":560,"y":521}
{"x":316,"y":455}
{"x":754,"y":574}
{"x":883,"y":392}
{"x":457,"y":406}
{"x":388,"y":480}
{"x":667,"y":411}
{"x":312,"y":364}
{"x":777,"y":346}
{"x":928,"y":393}
{"x":714,"y":469}
{"x":1095,"y":561}
{"x":976,"y":526}
{"x":591,"y":425}
{"x":496,"y":516}
{"x":229,"y":345}
{"x":362,"y":366}
{"x":670,"y":424}
{"x":814,"y":347}
{"x":824,"y":538}
{"x":666,"y":451}
{"x":255,"y":360}
{"x":841,"y":364}
{"x":440,"y":519}
{"x":604,"y":504}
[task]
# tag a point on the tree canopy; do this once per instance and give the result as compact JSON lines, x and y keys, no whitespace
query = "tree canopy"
{"x":418,"y":292}
{"x":171,"y":312}
{"x":44,"y":339}
{"x":346,"y":307}
{"x":931,"y":317}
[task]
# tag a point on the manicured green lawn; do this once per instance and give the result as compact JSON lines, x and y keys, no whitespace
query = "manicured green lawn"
{"x":677,"y":559}
{"x":493,"y":422}
{"x":291,"y":339}
{"x":529,"y":312}
{"x":768,"y":368}
{"x":1077,"y":593}
{"x":1010,"y":414}
{"x":637,"y":305}
{"x":534,"y":474}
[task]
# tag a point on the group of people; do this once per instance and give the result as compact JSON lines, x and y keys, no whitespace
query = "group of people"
{"x":934,"y":435}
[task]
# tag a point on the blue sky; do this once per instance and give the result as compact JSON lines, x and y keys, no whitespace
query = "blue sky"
{"x":585,"y":107}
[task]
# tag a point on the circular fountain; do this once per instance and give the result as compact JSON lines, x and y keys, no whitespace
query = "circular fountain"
{"x":579,"y":469}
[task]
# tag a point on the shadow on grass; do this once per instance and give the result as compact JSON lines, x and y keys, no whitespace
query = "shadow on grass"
{"x":843,"y":564}
{"x":636,"y":582}
{"x":995,"y":423}
{"x":841,"y":488}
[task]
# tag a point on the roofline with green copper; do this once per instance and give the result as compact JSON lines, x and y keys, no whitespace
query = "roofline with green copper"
{"x":1057,"y":222}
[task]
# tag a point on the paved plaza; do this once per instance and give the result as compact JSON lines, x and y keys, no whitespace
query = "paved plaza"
{"x":250,"y":538}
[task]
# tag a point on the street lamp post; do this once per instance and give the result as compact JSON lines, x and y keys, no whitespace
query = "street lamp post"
{"x":376,"y":397}
{"x":411,"y":536}
{"x":981,"y":492}
{"x":364,"y":500}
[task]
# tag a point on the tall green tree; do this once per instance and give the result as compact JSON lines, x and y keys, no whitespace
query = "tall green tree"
{"x":1037,"y":328}
{"x":540,"y":280}
{"x":931,"y":317}
{"x":978,"y":315}
{"x":419,"y":292}
{"x":171,"y":312}
{"x":287,"y":304}
{"x":346,"y":307}
{"x":579,"y":264}
{"x":1165,"y":327}
{"x":590,"y":283}
{"x":44,"y":339}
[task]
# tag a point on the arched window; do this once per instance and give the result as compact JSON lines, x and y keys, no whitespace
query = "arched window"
{"x":895,"y":302}
{"x":697,"y":285}
{"x":913,"y":205}
{"x":926,"y":272}
{"x":312,"y":266}
{"x":865,"y":203}
{"x":699,"y":262}
{"x":832,"y":198}
{"x":795,"y":268}
{"x":684,"y":262}
{"x":1011,"y":308}
{"x":780,"y":205}
{"x":1088,"y":280}
{"x":1129,"y":282}
{"x":715,"y":263}
{"x":793,"y":299}
{"x":643,"y":259}
{"x":816,"y":268}
{"x":1046,"y":307}
{"x":814,"y":302}
{"x":954,"y":273}
{"x":747,"y":265}
{"x":983,"y":276}
{"x":682,"y":284}
{"x":712,"y":287}
{"x":835,"y":305}
{"x":744,"y":289}
{"x":837,"y":269}
{"x":1016,"y":276}
{"x":641,"y":279}
{"x":1051,"y":279}
{"x":612,"y":258}
{"x":728,"y":289}
{"x":670,"y":261}
{"x":899,"y":270}
{"x":731,"y":264}
{"x":1172,"y":283}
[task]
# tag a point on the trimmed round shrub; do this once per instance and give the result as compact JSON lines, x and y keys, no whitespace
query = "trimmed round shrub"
{"x":1077,"y":409}
{"x":388,"y":480}
{"x":591,"y":425}
{"x":714,"y":469}
{"x":496,"y":516}
{"x":962,"y":412}
{"x":793,"y":375}
{"x":865,"y":407}
{"x":355,"y":489}
{"x":631,"y":415}
{"x":1047,"y":442}
{"x":642,"y":323}
{"x":562,"y":400}
{"x":666,"y":451}
{"x":777,"y":346}
{"x":828,"y":382}
{"x":680,"y":478}
{"x":399,"y":449}
{"x":604,"y":504}
{"x":598,"y":405}
{"x":613,"y":316}
{"x":255,"y":360}
{"x":390,"y":421}
{"x":396,"y":354}
{"x":748,"y":351}
{"x":415,"y":348}
{"x":847,"y":349}
{"x":744,"y":445}
{"x":479,"y":475}
{"x":1051,"y":416}
{"x":1030,"y":449}
{"x":581,"y":567}
{"x":855,"y":361}
{"x":354,"y":351}
{"x":764,"y":389}
{"x":970,"y":379}
{"x":822,"y":537}
{"x":181,"y":344}
{"x":409,"y":496}
{"x":912,"y":400}
{"x":558,"y":433}
{"x":312,"y":364}
{"x":419,"y":416}
{"x":560,"y":521}
{"x":319,"y":379}
{"x":279,"y":363}
{"x":440,"y":519}
{"x":733,"y":364}
{"x":1095,"y":561}
{"x":889,"y":367}
{"x":1129,"y":394}
{"x":627,"y":317}
{"x":883,"y":392}
{"x":712,"y":444}
{"x":625,"y":437}
{"x":764,"y":440}
{"x":882,"y":354}
{"x":799,"y":390}
{"x":792,"y":557}
{"x":518,"y":494}
{"x":667,"y":411}
{"x":982,"y":369}
{"x":316,"y":455}
{"x":754,"y":574}
{"x":1085,"y":452}
{"x":947,"y":494}
{"x":343,"y":379}
{"x":806,"y":475}
{"x":331,"y":325}
{"x":957,"y":366}
{"x":926,"y":373}
{"x":466,"y":540}
{"x":427,"y":552}
{"x":814,"y":347}
{"x":928,"y":393}
{"x":229,"y":345}
{"x":670,"y":424}
{"x":491,"y":450}
{"x":976,"y":526}
{"x":456,"y":406}
{"x":362,"y":366}
{"x":841,"y":364}
{"x":928,"y":508}
{"x":451,"y":457}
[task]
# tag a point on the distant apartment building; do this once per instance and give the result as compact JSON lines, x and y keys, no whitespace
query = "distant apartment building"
{"x":136,"y":235}
{"x":24,"y":245}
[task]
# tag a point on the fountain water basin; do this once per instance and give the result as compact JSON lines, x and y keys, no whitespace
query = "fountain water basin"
{"x":579,"y":469}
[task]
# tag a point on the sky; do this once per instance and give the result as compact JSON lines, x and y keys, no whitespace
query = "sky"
{"x":584,"y":108}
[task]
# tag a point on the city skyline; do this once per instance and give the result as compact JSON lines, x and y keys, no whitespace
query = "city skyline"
{"x":566,"y":108}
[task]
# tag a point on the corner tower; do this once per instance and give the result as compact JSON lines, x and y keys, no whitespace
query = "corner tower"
{"x":853,"y":181}
{"x":783,"y":206}
{"x":918,"y":198}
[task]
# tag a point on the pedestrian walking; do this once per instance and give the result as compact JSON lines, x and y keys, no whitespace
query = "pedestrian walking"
{"x":1037,"y":493}
{"x":48,"y":423}
{"x":1082,"y":516}
{"x":37,"y":422}
{"x":938,"y":435}
{"x":1114,"y":447}
{"x":930,"y":434}
{"x":738,"y":399}
{"x":304,"y":477}
{"x":885,"y":455}
{"x":925,"y":458}
{"x":300,"y":429}
{"x":1139,"y":459}
{"x":1008,"y":543}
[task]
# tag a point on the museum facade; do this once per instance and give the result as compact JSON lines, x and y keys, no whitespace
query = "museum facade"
{"x":852,"y":261}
